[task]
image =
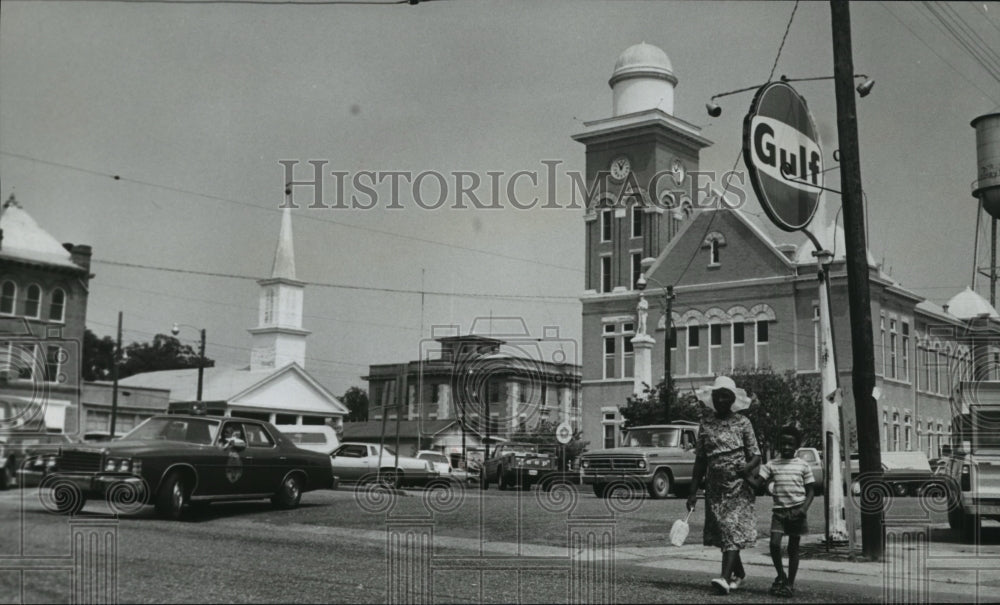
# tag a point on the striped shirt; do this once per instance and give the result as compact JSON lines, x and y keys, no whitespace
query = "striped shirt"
{"x":790,"y":478}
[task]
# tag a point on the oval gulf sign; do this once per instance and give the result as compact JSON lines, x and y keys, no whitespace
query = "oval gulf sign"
{"x":783,"y":156}
{"x":564,"y":433}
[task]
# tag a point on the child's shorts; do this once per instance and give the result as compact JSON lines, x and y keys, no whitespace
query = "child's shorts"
{"x":784,"y":522}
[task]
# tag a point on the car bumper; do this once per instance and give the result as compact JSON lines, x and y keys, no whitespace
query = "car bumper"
{"x":98,"y":485}
{"x":591,"y":479}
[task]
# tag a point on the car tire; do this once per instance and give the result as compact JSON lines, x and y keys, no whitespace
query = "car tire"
{"x":289,"y":494}
{"x":69,"y":500}
{"x":501,"y":480}
{"x":391,"y":478}
{"x":955,"y":518}
{"x":172,"y":497}
{"x":8,"y":478}
{"x":484,"y":480}
{"x":660,"y":486}
{"x":971,"y":527}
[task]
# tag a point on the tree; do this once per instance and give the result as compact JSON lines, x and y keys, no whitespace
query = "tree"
{"x":544,"y":435}
{"x":98,"y":356}
{"x":776,"y":400}
{"x":356,"y":401}
{"x":164,"y":353}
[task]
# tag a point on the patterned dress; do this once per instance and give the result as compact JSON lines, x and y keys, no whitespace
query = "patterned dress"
{"x":728,"y":444}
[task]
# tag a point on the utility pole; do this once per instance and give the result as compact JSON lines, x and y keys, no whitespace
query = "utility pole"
{"x":863,"y":353}
{"x":201,"y":362}
{"x":668,"y":378}
{"x":114,"y":377}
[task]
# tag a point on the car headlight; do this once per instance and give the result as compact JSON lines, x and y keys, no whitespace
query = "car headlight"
{"x":125,"y":465}
{"x":642,"y":464}
{"x":111,"y":465}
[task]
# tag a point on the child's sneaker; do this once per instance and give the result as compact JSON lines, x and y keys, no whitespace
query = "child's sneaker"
{"x":720,"y":585}
{"x":777,"y":586}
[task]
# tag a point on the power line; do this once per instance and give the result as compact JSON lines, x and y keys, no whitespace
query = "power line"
{"x":936,"y":53}
{"x":962,"y":42}
{"x":553,"y":298}
{"x":985,"y":14}
{"x":260,"y":2}
{"x":312,"y":217}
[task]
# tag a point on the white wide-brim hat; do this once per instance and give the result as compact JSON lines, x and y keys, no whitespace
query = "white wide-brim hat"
{"x":704,"y":393}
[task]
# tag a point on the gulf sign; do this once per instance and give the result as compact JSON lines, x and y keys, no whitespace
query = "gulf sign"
{"x":783,"y":156}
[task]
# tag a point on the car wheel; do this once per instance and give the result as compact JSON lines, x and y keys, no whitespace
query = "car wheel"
{"x":172,"y":497}
{"x":289,"y":494}
{"x":8,"y":478}
{"x":501,"y":479}
{"x":955,"y":518}
{"x":391,"y":478}
{"x":971,"y":528}
{"x":660,"y":486}
{"x":484,"y":480}
{"x":68,"y":499}
{"x":600,"y":489}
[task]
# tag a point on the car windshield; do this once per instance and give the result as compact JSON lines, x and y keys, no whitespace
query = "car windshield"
{"x":652,"y":437}
{"x":165,"y":428}
{"x":433,"y":457}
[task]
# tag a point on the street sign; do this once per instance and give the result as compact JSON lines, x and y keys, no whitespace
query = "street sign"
{"x":564,"y":433}
{"x":783,"y":156}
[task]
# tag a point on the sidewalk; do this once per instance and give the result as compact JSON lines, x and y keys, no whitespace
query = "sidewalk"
{"x":951,"y":571}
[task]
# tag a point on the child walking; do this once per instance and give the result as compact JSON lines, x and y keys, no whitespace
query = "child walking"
{"x":793,"y":489}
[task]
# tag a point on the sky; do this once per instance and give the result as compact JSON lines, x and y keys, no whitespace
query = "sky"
{"x":193,"y":106}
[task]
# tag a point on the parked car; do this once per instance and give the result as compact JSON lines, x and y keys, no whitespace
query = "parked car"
{"x":814,"y":458}
{"x":315,"y":438}
{"x":363,"y":462}
{"x":516,"y":464}
{"x":438,"y":460}
{"x":27,"y":457}
{"x":172,"y":460}
{"x":660,"y":457}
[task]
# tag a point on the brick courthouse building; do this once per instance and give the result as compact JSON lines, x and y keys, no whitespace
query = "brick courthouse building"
{"x":745,"y":294}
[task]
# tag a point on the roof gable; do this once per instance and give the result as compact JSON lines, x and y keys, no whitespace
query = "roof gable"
{"x":291,"y":389}
{"x":745,"y":252}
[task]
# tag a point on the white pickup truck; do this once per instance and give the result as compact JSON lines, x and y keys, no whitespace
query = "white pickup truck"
{"x":974,"y":464}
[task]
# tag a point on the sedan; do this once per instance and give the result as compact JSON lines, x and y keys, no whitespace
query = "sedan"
{"x":174,"y":460}
{"x":371,"y":462}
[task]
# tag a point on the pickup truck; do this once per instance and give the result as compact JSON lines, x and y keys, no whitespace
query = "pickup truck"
{"x":659,"y":457}
{"x":974,"y":464}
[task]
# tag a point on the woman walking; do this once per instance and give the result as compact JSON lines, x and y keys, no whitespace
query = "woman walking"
{"x":726,"y":457}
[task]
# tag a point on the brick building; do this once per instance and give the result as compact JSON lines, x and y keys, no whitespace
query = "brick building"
{"x":43,"y":310}
{"x":745,"y":293}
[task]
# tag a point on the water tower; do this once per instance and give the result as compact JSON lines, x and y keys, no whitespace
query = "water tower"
{"x":986,"y":188}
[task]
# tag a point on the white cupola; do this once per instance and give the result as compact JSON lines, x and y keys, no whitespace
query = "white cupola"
{"x":643,"y":79}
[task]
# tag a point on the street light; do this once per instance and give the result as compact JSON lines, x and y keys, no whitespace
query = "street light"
{"x":668,"y":324}
{"x":201,"y":352}
{"x":714,"y":110}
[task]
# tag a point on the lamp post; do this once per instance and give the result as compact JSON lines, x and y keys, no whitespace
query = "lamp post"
{"x":668,"y":324}
{"x":201,"y":352}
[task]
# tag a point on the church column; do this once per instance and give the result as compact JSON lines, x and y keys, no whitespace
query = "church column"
{"x":444,"y":402}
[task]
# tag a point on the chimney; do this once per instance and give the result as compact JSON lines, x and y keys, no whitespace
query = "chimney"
{"x":944,"y":308}
{"x":80,"y":254}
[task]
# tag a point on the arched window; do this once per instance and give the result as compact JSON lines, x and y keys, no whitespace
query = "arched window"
{"x":57,"y":308}
{"x":33,"y":301}
{"x":8,"y":293}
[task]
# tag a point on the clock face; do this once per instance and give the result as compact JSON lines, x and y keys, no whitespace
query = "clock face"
{"x":679,"y":172}
{"x":620,"y":167}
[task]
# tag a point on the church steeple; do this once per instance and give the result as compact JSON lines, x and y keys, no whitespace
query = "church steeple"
{"x":284,"y":254}
{"x":279,"y":338}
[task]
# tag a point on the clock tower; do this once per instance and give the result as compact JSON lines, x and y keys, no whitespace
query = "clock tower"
{"x":638,"y":171}
{"x":641,"y":191}
{"x":279,"y":338}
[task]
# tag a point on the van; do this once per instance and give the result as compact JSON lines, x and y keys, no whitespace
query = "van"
{"x":316,"y":438}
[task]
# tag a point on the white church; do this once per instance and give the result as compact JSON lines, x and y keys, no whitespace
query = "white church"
{"x":275,"y":386}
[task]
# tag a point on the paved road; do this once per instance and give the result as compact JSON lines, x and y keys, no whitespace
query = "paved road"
{"x":334,"y":549}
